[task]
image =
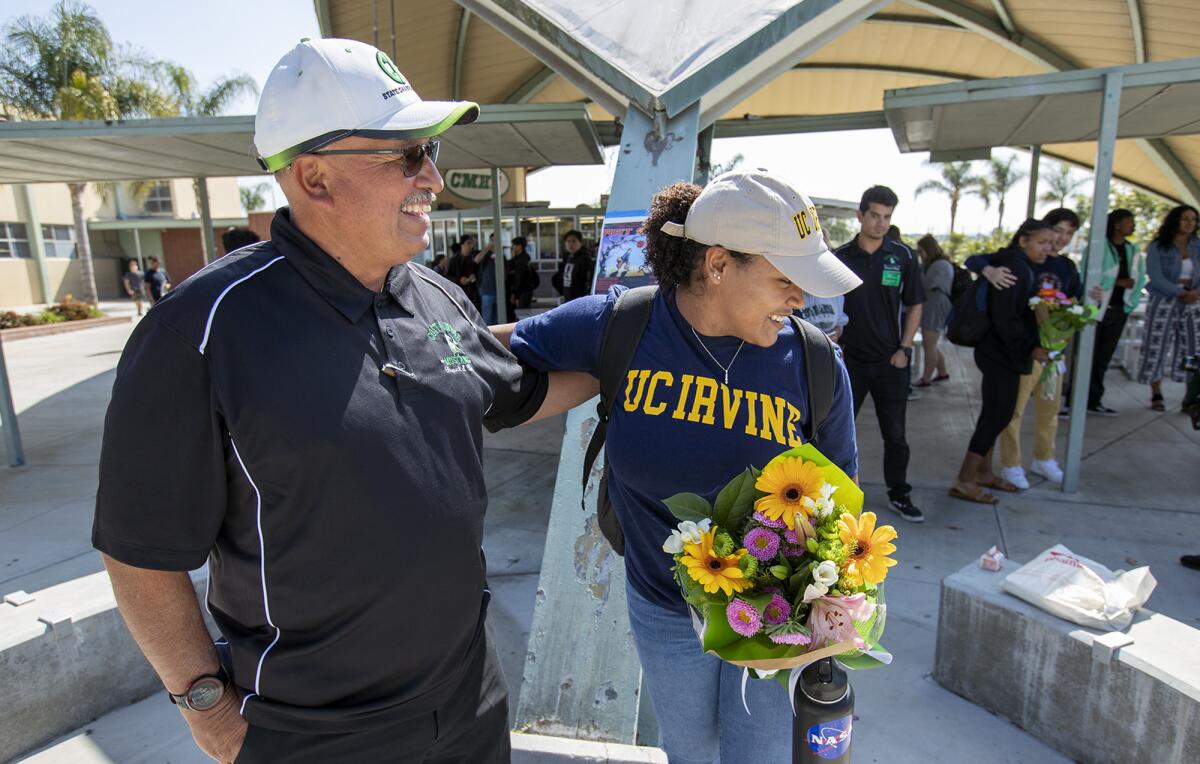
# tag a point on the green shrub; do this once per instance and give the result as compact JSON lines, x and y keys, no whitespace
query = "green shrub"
{"x":71,"y":309}
{"x":48,"y":316}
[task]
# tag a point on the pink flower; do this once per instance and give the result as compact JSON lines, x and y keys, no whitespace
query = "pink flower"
{"x":743,"y":618}
{"x":832,"y":619}
{"x":777,"y":611}
{"x":762,"y":543}
{"x":762,"y":519}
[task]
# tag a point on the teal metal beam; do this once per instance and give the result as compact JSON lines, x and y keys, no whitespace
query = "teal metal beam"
{"x":1137,"y":31}
{"x":900,"y":19}
{"x":1092,"y":265}
{"x":37,"y":243}
{"x":532,"y":86}
{"x":8,"y":418}
{"x":884,"y":69}
{"x":324,"y":23}
{"x":1035,"y":161}
{"x":460,"y":50}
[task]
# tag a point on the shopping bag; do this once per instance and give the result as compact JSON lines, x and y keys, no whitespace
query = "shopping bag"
{"x":1081,"y":590}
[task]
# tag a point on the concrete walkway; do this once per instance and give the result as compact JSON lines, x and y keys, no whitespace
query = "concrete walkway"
{"x":1137,"y":506}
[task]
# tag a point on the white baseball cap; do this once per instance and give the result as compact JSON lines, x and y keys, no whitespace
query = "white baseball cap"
{"x":325,"y":90}
{"x":758,"y":213}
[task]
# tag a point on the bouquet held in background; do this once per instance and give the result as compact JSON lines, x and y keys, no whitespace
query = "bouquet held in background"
{"x":1059,"y":317}
{"x":784,"y":568}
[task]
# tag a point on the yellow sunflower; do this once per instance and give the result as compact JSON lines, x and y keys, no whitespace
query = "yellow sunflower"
{"x":868,"y":546}
{"x":711,"y":570}
{"x":792,"y":485}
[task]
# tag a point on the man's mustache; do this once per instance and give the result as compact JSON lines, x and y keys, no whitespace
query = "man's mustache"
{"x":420,"y":197}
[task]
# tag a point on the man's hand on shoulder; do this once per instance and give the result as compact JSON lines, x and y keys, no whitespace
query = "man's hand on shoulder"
{"x":221,"y":730}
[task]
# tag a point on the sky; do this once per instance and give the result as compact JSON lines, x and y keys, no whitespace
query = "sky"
{"x":217,"y":38}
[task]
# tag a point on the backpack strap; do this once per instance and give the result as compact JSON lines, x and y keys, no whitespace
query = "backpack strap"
{"x":821,"y":374}
{"x":626,"y":324}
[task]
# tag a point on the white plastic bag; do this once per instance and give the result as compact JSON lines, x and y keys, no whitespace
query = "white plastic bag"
{"x":1081,"y":590}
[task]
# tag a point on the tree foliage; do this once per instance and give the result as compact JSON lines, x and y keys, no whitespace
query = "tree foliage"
{"x":254,"y":197}
{"x":956,"y":180}
{"x":1062,"y":184}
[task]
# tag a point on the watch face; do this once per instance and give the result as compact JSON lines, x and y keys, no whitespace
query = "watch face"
{"x":205,"y":693}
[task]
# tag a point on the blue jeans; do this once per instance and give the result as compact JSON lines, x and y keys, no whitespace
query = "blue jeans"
{"x":698,"y":697}
{"x":487,"y":304}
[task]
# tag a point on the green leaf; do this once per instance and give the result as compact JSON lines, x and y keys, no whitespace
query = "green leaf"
{"x":689,"y":506}
{"x":735,"y":502}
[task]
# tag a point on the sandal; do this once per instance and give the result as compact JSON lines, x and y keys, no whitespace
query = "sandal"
{"x":941,"y":378}
{"x":977,"y":496}
{"x":922,"y":383}
{"x":998,"y":483}
{"x":1156,"y":403}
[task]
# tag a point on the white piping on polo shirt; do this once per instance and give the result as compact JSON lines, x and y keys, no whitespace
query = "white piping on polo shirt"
{"x":262,"y":557}
{"x":212,"y":313}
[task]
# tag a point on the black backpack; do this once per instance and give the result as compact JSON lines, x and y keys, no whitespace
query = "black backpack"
{"x":969,"y":320}
{"x":961,"y":283}
{"x":624,"y":332}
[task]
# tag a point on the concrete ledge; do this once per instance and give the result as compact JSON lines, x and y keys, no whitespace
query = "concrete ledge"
{"x":542,"y":749}
{"x":66,"y":658}
{"x":1098,"y":697}
{"x":42,"y":330}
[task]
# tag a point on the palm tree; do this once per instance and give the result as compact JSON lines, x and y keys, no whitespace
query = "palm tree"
{"x":65,"y":67}
{"x":996,"y":184}
{"x":1062,"y":185}
{"x":956,"y":180}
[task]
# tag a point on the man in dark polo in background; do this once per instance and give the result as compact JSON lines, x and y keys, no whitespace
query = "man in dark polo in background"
{"x":884,"y":313}
{"x":316,"y":403}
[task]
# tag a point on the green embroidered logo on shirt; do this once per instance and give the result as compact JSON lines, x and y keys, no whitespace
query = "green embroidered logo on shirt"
{"x":458,"y":359}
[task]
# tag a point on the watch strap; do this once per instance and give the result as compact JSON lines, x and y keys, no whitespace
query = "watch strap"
{"x":182,"y":699}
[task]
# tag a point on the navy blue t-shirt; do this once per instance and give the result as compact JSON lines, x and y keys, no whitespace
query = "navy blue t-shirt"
{"x":676,"y":427}
{"x":1058,"y":272}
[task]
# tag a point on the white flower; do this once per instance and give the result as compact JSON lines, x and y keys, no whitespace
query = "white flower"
{"x":824,"y":507}
{"x":1076,"y":309}
{"x":674,"y":543}
{"x":827,"y":491}
{"x":826,"y":574}
{"x":690,"y":532}
{"x":704,"y":525}
{"x":814,"y":591}
{"x":1033,"y":301}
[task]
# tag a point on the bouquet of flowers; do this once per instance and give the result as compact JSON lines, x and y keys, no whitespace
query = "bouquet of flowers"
{"x":1059,"y":317}
{"x":784,"y":568}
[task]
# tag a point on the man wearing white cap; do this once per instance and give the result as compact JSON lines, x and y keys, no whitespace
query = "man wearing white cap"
{"x":719,"y":381}
{"x":317,"y":403}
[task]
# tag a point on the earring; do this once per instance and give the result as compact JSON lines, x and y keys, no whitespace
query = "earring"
{"x":716,"y":277}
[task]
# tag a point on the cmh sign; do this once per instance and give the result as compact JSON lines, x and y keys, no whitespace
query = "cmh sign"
{"x":475,"y":185}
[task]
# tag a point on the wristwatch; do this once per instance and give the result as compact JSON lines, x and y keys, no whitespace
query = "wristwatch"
{"x":908,"y":351}
{"x":204,"y":692}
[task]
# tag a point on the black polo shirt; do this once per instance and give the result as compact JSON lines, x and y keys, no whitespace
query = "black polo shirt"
{"x":891,"y":280}
{"x":340,"y":507}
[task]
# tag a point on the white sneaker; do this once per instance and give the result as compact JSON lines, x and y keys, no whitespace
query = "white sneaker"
{"x":1016,"y":476}
{"x":1047,"y":468}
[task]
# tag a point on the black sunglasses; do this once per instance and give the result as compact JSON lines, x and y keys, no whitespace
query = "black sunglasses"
{"x":414,"y":156}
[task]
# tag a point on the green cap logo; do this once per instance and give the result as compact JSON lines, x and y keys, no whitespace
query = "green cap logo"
{"x":389,"y":68}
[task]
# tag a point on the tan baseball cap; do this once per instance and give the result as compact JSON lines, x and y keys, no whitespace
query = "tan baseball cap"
{"x":758,"y":213}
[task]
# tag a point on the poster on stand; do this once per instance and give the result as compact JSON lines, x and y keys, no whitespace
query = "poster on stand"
{"x":621,"y":257}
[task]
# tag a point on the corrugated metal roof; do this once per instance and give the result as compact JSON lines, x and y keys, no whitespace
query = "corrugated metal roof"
{"x":917,"y":42}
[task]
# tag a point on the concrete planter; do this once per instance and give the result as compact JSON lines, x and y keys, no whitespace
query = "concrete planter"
{"x":25,"y":332}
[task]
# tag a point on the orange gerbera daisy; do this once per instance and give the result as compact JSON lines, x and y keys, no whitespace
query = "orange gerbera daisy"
{"x":712,"y":571}
{"x":792,"y":485}
{"x":868,"y":548}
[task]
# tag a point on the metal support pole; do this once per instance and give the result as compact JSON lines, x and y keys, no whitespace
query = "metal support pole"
{"x":498,"y":249}
{"x":1035,"y":159}
{"x":37,"y":244}
{"x":582,"y":677}
{"x":206,"y":223}
{"x":137,"y":249}
{"x":704,"y":154}
{"x":1093,"y":262}
{"x":8,"y":418}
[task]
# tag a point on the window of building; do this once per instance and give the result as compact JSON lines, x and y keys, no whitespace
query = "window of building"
{"x":158,"y":201}
{"x":59,"y":240}
{"x":14,"y":240}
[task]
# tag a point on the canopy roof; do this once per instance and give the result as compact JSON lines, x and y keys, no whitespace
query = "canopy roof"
{"x":1156,"y":99}
{"x":446,"y":51}
{"x":507,"y":135}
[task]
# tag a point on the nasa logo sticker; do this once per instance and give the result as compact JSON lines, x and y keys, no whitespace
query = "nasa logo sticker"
{"x":830,"y":740}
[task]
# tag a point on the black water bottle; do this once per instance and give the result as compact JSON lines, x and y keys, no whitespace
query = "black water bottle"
{"x":822,"y":726}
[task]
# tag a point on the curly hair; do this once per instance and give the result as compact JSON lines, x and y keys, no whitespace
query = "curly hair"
{"x":675,"y":260}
